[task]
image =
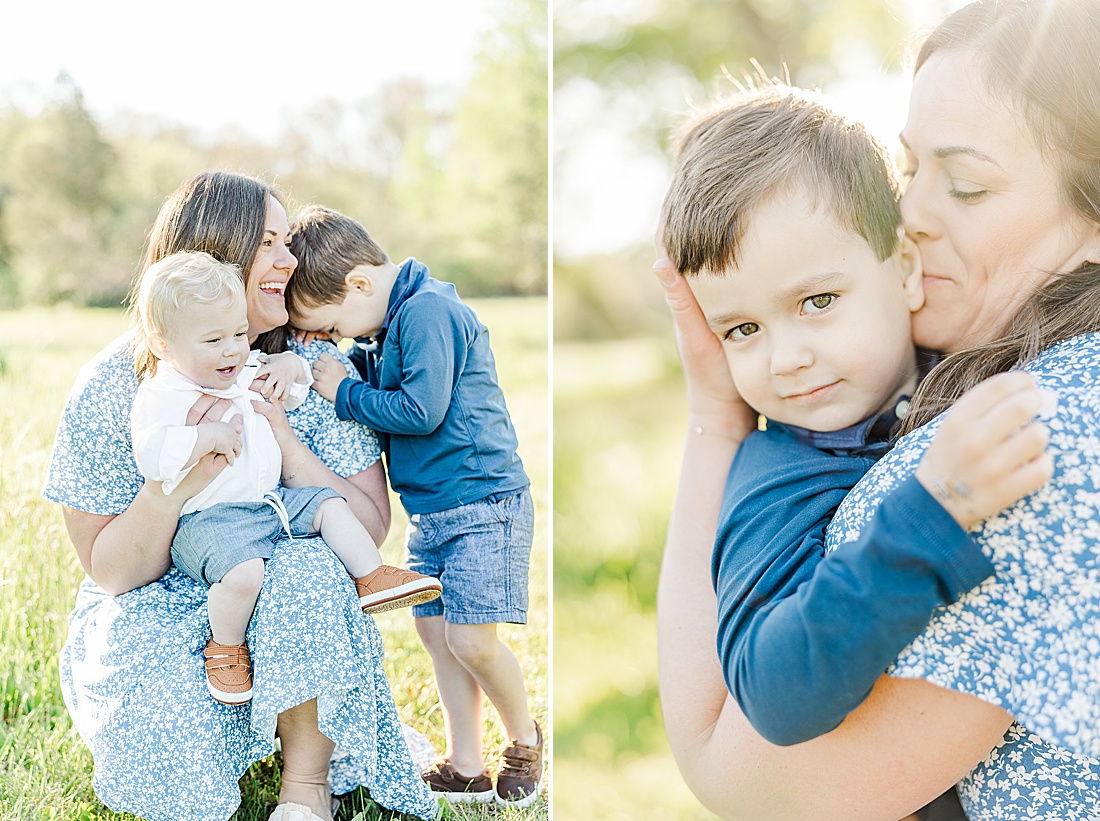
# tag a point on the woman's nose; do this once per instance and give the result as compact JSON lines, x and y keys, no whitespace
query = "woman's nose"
{"x":916,"y":215}
{"x":287,"y":261}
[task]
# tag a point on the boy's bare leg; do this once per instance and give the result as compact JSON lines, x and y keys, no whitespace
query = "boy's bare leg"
{"x":347,"y":537}
{"x":231,"y":601}
{"x":498,"y":673}
{"x":460,"y":696}
{"x":470,"y":660}
{"x":306,"y":756}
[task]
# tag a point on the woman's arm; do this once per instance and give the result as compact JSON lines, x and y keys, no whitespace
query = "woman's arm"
{"x":123,"y":552}
{"x":906,"y":744}
{"x":366,"y":492}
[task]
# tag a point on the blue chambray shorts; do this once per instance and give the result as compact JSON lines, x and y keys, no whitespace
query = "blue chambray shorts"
{"x":210,"y":542}
{"x":481,"y":553}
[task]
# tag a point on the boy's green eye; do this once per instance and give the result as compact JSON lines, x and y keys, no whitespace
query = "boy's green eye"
{"x":819,"y":302}
{"x":743,"y":330}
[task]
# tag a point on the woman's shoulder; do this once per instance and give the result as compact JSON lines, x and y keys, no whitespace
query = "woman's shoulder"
{"x":113,"y":365}
{"x":1073,"y":361}
{"x":92,"y":464}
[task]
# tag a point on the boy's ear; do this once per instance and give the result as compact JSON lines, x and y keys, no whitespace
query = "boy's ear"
{"x":912,"y":272}
{"x":359,"y":281}
{"x":159,"y":346}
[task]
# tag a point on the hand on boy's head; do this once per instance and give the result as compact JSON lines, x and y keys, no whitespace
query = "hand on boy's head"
{"x":328,"y":373}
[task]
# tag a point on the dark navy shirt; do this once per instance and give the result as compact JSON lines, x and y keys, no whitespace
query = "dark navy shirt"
{"x":802,"y":638}
{"x":431,"y":391}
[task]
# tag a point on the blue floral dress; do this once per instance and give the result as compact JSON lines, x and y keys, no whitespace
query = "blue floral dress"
{"x":132,"y":665}
{"x":1028,"y":638}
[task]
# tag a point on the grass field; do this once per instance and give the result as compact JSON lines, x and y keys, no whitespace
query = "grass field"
{"x":619,"y":421}
{"x":45,"y":770}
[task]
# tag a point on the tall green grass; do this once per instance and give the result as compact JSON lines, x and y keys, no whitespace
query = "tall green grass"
{"x":45,"y":770}
{"x":619,"y":422}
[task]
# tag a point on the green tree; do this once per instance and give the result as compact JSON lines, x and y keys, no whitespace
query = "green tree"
{"x":497,"y":168}
{"x":60,"y":203}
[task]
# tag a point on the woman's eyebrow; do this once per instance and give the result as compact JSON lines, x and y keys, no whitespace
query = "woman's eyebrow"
{"x":954,"y":150}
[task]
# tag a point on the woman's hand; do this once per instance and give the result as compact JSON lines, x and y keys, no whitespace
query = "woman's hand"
{"x":276,"y":417}
{"x":713,"y":401}
{"x":989,"y":451}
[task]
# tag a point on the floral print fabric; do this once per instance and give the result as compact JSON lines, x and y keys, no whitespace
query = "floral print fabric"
{"x":1027,"y":639}
{"x":132,"y":670}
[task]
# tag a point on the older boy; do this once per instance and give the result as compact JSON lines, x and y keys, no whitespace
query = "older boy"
{"x":784,"y":216}
{"x":431,"y":390}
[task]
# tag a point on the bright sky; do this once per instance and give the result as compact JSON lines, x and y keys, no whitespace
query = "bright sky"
{"x":211,"y":63}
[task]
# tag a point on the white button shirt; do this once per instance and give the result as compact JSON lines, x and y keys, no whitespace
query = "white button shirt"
{"x":163,"y":442}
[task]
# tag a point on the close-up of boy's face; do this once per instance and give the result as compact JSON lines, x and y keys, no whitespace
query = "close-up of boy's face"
{"x":209,"y":343}
{"x":359,"y":315}
{"x":816,"y":329}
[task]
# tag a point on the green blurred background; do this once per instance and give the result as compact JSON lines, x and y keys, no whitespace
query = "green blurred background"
{"x":447,"y":164}
{"x":625,"y":71}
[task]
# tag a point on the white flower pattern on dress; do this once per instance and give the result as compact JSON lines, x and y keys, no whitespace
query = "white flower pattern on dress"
{"x":1028,"y":638}
{"x":131,"y":668}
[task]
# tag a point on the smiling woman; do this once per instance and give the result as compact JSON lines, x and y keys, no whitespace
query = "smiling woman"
{"x":162,"y":748}
{"x":987,"y":211}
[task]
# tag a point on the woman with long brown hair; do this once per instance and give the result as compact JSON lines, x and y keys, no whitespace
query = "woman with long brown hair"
{"x":131,"y":668}
{"x":1003,"y":152}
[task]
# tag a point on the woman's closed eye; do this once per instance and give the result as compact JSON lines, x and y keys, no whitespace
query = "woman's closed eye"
{"x":818,"y":303}
{"x":966,"y":195}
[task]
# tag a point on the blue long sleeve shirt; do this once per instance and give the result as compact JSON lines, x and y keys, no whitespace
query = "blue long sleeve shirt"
{"x":802,"y":637}
{"x":430,"y":389}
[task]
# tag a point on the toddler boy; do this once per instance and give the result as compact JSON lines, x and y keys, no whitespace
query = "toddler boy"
{"x":430,"y":390}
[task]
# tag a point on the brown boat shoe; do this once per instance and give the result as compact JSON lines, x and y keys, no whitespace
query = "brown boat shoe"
{"x":228,"y":672}
{"x":388,"y":588}
{"x":519,"y":781}
{"x":446,"y":782}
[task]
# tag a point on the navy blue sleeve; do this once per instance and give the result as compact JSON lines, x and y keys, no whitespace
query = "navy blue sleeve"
{"x":802,"y":637}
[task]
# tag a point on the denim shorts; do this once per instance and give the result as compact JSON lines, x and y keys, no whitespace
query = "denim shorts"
{"x":211,"y":542}
{"x":481,"y":553}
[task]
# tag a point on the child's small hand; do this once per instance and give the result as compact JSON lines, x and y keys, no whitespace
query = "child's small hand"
{"x":276,"y":374}
{"x":328,"y":373}
{"x":989,"y":451}
{"x":225,"y":438}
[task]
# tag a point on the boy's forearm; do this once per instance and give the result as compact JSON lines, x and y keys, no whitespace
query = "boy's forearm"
{"x":388,"y":411}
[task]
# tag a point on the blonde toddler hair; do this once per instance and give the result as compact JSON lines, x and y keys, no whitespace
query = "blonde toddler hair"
{"x":168,"y":288}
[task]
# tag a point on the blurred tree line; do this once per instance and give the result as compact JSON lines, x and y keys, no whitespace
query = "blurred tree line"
{"x":645,"y":60}
{"x":459,"y":181}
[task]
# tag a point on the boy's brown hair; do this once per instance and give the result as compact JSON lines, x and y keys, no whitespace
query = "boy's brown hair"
{"x":328,"y":246}
{"x":772,"y":139}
